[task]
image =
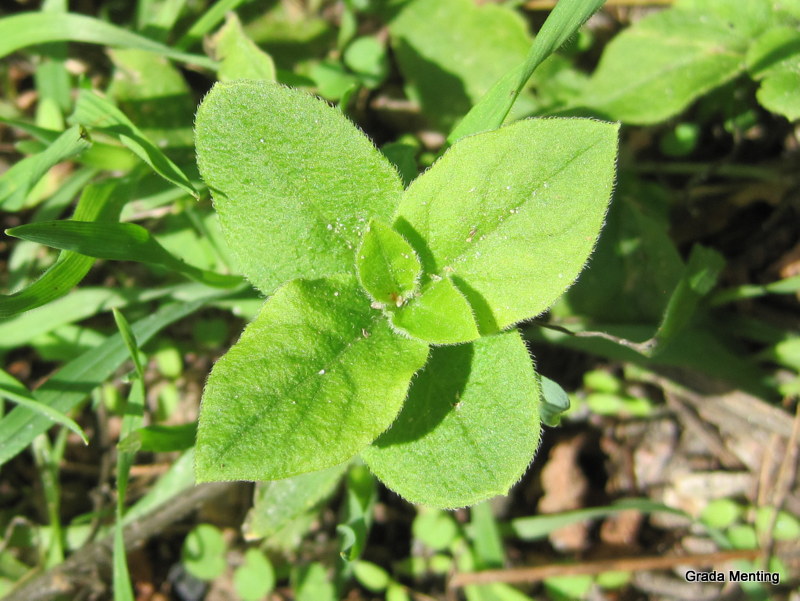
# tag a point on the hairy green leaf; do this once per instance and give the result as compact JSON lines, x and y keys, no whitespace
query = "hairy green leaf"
{"x":440,"y":314}
{"x":469,"y":428}
{"x":511,"y":215}
{"x":654,"y":69}
{"x":239,"y":56}
{"x":387,"y":266}
{"x":315,"y":377}
{"x":293,"y":181}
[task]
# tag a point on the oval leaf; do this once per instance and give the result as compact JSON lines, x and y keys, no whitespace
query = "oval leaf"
{"x":469,"y":428}
{"x":439,"y":315}
{"x":293,"y":181}
{"x":387,"y":266}
{"x":314,"y":378}
{"x":654,"y":69}
{"x":512,"y":215}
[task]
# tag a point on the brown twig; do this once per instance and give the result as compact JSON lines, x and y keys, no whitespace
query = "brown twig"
{"x":643,"y":348}
{"x":622,"y":564}
{"x":87,"y":566}
{"x":703,"y":430}
{"x":783,"y":485}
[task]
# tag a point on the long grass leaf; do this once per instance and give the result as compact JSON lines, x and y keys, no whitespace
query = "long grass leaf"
{"x":23,"y":256}
{"x":132,"y":421}
{"x":97,"y":113}
{"x":80,"y":304}
{"x":15,"y":391}
{"x":116,"y":242}
{"x":19,"y":179}
{"x":540,"y":526}
{"x":491,"y":110}
{"x":98,"y":202}
{"x":29,"y":29}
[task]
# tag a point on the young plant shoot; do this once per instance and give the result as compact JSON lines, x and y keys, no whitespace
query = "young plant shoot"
{"x":388,"y":331}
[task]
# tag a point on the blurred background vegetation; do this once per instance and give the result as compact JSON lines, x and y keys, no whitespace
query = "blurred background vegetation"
{"x":679,"y":347}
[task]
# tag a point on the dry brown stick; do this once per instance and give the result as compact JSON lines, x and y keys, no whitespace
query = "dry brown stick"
{"x":622,"y":564}
{"x":786,"y":478}
{"x":86,"y":566}
{"x":703,"y":430}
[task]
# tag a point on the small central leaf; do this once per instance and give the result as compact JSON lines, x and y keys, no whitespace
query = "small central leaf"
{"x":316,"y":377}
{"x":387,"y":265}
{"x":439,"y":315}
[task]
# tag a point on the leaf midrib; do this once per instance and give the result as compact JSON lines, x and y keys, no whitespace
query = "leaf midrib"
{"x":506,"y":215}
{"x":286,"y":393}
{"x":696,"y":57}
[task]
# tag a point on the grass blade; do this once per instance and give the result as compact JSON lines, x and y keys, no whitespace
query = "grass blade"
{"x":80,"y":304}
{"x":101,"y":202}
{"x":13,"y":390}
{"x":486,"y":541}
{"x":23,"y":257}
{"x":493,"y":108}
{"x":540,"y":526}
{"x":97,"y":113}
{"x":19,"y":179}
{"x":29,"y":29}
{"x":132,"y":421}
{"x":116,"y":242}
{"x":160,"y":439}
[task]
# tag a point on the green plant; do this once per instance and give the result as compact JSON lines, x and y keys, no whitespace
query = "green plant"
{"x":673,"y":57}
{"x":370,"y":284}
